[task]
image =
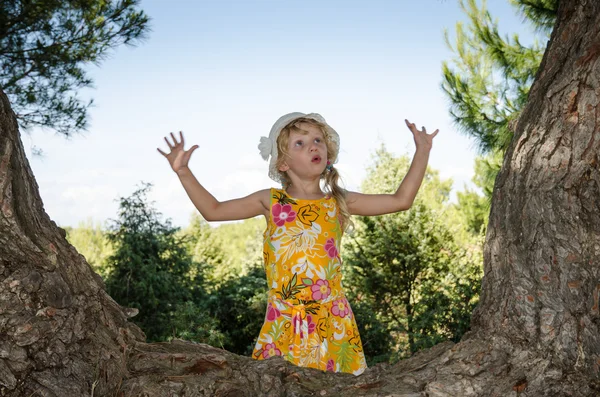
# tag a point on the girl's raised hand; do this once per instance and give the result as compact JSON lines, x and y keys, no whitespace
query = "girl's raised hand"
{"x":423,"y":140}
{"x":178,"y":157}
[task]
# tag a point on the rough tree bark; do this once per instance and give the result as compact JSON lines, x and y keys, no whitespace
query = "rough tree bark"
{"x":534,"y":333}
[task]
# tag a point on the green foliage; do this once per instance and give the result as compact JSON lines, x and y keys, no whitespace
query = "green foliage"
{"x":234,"y":278}
{"x":486,"y":169}
{"x":44,"y":45}
{"x":169,"y":274}
{"x":243,"y":244}
{"x":191,"y":322}
{"x":397,"y":263}
{"x":204,"y":247}
{"x":386,"y":172}
{"x":412,"y":282}
{"x":150,"y":266}
{"x":230,"y":249}
{"x":541,"y":13}
{"x":377,"y":341}
{"x":445,"y":303}
{"x":408,"y":268}
{"x":473,"y":208}
{"x":89,"y":239}
{"x":240,"y":304}
{"x":490,"y":81}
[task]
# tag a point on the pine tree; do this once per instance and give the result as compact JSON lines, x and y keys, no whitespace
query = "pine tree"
{"x":44,"y":46}
{"x":408,"y":268}
{"x":488,"y":80}
{"x":150,"y":267}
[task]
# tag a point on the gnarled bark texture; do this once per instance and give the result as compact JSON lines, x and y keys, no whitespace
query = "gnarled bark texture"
{"x":542,"y":254}
{"x":534,"y":333}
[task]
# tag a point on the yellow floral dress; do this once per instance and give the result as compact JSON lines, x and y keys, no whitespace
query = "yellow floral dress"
{"x":309,"y":320}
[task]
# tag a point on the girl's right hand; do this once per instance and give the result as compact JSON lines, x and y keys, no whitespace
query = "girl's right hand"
{"x":178,"y":157}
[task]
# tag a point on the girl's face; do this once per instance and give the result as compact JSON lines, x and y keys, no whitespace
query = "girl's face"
{"x":307,"y":151}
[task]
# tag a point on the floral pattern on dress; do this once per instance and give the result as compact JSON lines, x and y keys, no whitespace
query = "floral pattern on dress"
{"x":309,"y":321}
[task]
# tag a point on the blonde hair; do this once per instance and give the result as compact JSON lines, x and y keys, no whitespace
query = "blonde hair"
{"x":330,"y":178}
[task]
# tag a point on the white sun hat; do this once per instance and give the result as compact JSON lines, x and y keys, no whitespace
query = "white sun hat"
{"x":268,"y":146}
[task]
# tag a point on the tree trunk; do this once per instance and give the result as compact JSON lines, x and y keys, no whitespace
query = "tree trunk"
{"x":542,"y":254}
{"x":534,"y":333}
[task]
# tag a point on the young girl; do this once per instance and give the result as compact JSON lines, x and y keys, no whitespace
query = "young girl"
{"x":309,"y":320}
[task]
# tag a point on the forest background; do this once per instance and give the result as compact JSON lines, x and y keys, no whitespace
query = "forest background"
{"x":413,"y":277}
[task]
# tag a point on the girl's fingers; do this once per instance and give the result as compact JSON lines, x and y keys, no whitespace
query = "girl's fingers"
{"x":161,"y":152}
{"x":174,"y":139}
{"x":414,"y":129}
{"x":190,"y":151}
{"x":187,"y":154}
{"x":168,"y":143}
{"x":181,"y":137}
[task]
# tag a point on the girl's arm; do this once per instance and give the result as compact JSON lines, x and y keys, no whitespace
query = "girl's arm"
{"x":379,"y":204}
{"x":230,"y":210}
{"x":210,"y":208}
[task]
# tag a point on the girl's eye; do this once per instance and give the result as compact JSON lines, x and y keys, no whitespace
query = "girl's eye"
{"x":318,"y":140}
{"x":298,"y":143}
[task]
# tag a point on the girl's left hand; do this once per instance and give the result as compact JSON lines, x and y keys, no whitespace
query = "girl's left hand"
{"x":423,"y":140}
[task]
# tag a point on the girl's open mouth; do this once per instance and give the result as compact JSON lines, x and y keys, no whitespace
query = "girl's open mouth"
{"x":316,"y":159}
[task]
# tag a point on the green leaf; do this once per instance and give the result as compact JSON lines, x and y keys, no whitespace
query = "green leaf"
{"x":282,"y":198}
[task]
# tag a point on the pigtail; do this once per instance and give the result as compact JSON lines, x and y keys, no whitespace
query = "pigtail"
{"x":332,"y":178}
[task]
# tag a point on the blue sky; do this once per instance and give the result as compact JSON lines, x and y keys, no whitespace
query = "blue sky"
{"x":224,"y":71}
